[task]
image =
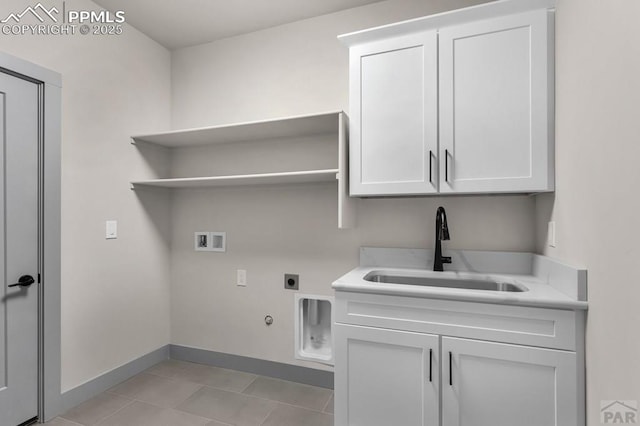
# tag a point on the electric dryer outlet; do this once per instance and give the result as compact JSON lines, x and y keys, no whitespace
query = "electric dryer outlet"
{"x":291,"y":281}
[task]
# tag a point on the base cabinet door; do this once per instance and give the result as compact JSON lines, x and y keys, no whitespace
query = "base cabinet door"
{"x":385,"y":377}
{"x":494,"y":384}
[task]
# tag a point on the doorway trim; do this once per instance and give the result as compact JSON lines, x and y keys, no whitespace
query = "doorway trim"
{"x":49,"y":170}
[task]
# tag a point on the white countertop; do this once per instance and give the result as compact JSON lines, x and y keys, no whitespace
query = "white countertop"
{"x":546,"y":287}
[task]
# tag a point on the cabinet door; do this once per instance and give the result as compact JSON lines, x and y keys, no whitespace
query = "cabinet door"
{"x":385,"y":377}
{"x":394,"y":128}
{"x":496,"y":105}
{"x":494,"y":384}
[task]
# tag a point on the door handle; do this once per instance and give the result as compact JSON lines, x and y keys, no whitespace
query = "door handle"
{"x":446,"y":165}
{"x":431,"y":365}
{"x":450,"y":369}
{"x":23,"y":281}
{"x":430,"y":166}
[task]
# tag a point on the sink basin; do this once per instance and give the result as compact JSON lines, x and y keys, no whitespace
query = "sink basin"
{"x":466,"y":283}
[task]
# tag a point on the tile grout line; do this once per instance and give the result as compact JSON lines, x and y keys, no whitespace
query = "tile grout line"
{"x":175,"y":407}
{"x":257,"y":376}
{"x":168,"y":408}
{"x":268,"y":414}
{"x":301,"y":407}
{"x":272,"y":400}
{"x":131,"y":401}
{"x":173,"y":379}
{"x":327,"y":404}
{"x":290,"y":404}
{"x":66,"y":420}
{"x":198,"y":416}
{"x":134,"y":400}
{"x":171,"y":407}
{"x":250,"y":383}
{"x":170,"y":379}
{"x":319,"y":411}
{"x":142,"y":401}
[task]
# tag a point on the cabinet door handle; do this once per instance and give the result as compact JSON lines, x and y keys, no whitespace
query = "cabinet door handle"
{"x":446,"y":165}
{"x":430,"y":166}
{"x":450,"y":369}
{"x":431,"y":365}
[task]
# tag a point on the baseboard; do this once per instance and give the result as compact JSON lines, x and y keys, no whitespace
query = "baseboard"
{"x":292,"y":373}
{"x":96,"y":386}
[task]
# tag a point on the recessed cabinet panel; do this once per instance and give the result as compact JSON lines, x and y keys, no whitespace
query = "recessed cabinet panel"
{"x":492,"y":105}
{"x":494,"y":114}
{"x":394,"y":133}
{"x":392,"y":102}
{"x":385,"y":377}
{"x":494,"y":384}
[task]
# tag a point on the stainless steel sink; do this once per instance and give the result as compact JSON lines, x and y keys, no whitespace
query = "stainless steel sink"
{"x":470,"y":284}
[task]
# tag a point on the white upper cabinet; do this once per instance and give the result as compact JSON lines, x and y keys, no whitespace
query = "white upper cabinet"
{"x":395,"y":128}
{"x":460,"y":102}
{"x":496,"y":132}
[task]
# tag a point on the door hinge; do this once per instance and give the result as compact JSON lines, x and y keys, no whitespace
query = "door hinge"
{"x":38,"y":278}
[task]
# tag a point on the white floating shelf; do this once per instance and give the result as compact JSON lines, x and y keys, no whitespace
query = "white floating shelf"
{"x":333,"y":123}
{"x":281,"y":128}
{"x":308,"y":176}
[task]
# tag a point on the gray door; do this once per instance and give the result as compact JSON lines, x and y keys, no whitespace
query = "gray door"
{"x":19,"y":136}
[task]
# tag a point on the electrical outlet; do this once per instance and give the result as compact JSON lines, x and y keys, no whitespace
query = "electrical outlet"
{"x":551,"y":234}
{"x":291,"y":281}
{"x":241,"y":277}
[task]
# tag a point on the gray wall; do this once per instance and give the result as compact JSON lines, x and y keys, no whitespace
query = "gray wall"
{"x":595,"y":206}
{"x":293,"y":69}
{"x":115,"y":294}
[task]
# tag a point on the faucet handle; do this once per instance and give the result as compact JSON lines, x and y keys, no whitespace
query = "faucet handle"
{"x":446,"y":259}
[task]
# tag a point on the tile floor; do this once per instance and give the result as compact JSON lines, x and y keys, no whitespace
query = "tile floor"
{"x":175,"y":393}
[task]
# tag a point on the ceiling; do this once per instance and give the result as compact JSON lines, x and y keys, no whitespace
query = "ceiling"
{"x":176,"y":24}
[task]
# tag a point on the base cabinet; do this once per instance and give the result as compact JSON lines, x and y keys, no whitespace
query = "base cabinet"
{"x":385,"y":377}
{"x":495,"y":384}
{"x":388,"y":377}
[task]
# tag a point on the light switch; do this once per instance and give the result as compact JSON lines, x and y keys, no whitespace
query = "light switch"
{"x":241,"y":279}
{"x":112,"y":229}
{"x":551,"y":234}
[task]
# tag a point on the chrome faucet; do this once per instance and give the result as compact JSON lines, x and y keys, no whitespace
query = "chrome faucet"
{"x":442,"y":233}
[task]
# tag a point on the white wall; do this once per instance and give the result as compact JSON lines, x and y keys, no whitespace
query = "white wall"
{"x":294,"y":69}
{"x":115,"y":294}
{"x":596,"y":203}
